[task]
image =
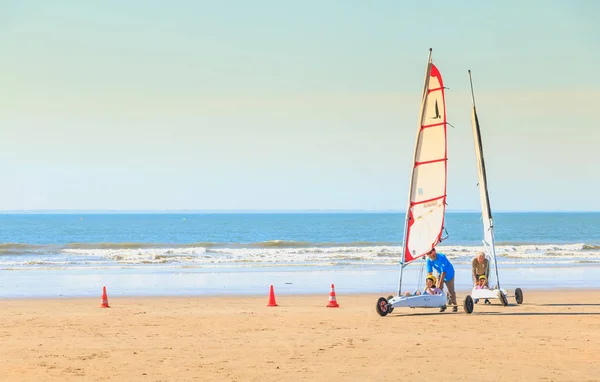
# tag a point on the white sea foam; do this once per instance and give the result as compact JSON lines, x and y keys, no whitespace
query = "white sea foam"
{"x":384,"y":254}
{"x":276,"y":255}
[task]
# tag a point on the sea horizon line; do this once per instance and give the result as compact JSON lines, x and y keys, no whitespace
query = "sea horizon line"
{"x":256,"y":211}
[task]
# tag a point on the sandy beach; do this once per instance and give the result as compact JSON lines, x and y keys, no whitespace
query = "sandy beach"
{"x":553,"y":336}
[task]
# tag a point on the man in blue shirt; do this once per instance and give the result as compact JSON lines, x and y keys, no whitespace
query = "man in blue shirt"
{"x":442,"y":265}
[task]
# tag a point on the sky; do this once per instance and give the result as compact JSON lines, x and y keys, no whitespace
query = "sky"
{"x":273,"y":105}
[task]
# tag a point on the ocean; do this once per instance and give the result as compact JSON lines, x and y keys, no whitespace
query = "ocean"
{"x":45,"y":255}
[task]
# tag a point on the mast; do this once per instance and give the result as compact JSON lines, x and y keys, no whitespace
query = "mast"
{"x":410,"y":186}
{"x":488,"y":222}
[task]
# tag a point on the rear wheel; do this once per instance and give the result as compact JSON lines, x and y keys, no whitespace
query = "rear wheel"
{"x":503,"y":299}
{"x":390,"y":309}
{"x":468,"y":305}
{"x":382,"y":307}
{"x":519,"y":296}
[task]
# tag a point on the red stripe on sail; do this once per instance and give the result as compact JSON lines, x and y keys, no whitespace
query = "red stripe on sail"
{"x":427,"y":200}
{"x":433,"y":125}
{"x":436,"y":73}
{"x":430,"y":161}
{"x":407,"y":255}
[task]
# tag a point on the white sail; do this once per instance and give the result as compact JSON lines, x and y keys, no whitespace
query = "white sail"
{"x":427,"y":188}
{"x":427,"y":195}
{"x":486,"y":210}
{"x":488,"y":226}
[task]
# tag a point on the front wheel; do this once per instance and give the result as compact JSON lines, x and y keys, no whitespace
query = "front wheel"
{"x":382,"y":308}
{"x":519,"y":296}
{"x":390,"y":309}
{"x":468,"y":304}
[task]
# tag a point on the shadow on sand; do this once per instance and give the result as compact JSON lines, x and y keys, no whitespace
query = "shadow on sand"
{"x":538,"y":313}
{"x":566,"y":304}
{"x":505,"y":313}
{"x":476,"y":313}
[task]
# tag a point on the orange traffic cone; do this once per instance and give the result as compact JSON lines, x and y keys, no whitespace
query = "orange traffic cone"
{"x":272,"y":298}
{"x":332,"y":301}
{"x":104,"y":302}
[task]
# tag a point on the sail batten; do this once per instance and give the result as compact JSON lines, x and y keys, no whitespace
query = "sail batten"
{"x":427,"y":190}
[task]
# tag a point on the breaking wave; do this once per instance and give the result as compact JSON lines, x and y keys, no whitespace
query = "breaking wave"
{"x":272,"y":253}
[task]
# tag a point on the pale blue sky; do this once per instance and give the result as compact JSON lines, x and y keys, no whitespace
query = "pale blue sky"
{"x":292,"y":105}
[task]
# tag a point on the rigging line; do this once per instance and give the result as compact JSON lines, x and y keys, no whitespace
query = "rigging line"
{"x":421,"y":272}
